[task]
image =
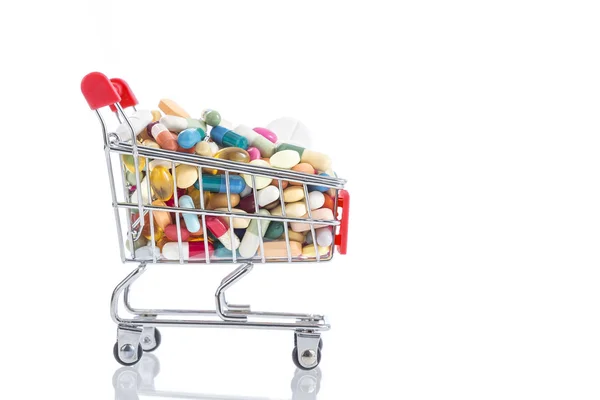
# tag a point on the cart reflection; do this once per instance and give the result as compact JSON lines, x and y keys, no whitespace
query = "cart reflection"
{"x":132,"y":382}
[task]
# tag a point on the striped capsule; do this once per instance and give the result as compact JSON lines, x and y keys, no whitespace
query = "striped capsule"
{"x":164,"y":138}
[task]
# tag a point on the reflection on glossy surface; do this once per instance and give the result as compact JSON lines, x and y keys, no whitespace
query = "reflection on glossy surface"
{"x":132,"y":382}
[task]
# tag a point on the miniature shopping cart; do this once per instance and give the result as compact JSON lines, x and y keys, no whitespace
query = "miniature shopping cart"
{"x":134,"y":218}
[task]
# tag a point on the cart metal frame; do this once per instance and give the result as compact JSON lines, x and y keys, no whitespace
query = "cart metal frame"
{"x":137,"y":332}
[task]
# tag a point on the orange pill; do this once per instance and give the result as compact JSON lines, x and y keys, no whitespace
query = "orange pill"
{"x":169,"y":107}
{"x":161,"y":218}
{"x":304,"y":168}
{"x":328,"y":202}
{"x":275,"y":183}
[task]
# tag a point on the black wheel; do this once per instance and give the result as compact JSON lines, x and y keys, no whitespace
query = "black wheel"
{"x":157,"y":341}
{"x":296,"y":360}
{"x":140,"y":352}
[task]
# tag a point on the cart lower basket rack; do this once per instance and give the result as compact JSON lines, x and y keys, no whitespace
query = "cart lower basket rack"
{"x":136,"y":214}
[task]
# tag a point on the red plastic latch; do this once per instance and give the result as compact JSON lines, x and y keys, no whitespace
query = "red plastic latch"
{"x":128,"y":99}
{"x":341,"y":239}
{"x":98,"y":90}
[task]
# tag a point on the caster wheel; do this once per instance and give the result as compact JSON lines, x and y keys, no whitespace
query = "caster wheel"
{"x":150,"y":344}
{"x":296,"y":360}
{"x":140,"y":352}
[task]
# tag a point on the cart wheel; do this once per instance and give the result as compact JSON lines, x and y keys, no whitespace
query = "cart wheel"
{"x":150,"y":344}
{"x":296,"y":360}
{"x":140,"y":352}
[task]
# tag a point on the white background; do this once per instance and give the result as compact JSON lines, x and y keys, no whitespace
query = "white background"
{"x":468,"y":132}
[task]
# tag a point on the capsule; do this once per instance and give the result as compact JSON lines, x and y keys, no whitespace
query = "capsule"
{"x":231,"y":154}
{"x":164,"y":138}
{"x":263,"y":144}
{"x":162,"y":183}
{"x":217,"y":184}
{"x":221,"y":232}
{"x":267,"y":134}
{"x":171,"y":233}
{"x":254,"y":153}
{"x":251,"y":240}
{"x":319,"y":161}
{"x":188,"y":138}
{"x":211,"y":117}
{"x":178,"y":124}
{"x":192,"y":221}
{"x":162,"y":219}
{"x":190,"y":250}
{"x":139,"y":120}
{"x":275,"y":230}
{"x":227,"y":138}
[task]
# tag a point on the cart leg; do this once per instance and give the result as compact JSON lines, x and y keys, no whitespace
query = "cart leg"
{"x":125,"y":283}
{"x":232,"y":312}
{"x":307,"y":351}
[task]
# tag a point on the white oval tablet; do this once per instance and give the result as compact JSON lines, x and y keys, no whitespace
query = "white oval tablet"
{"x":174,"y":123}
{"x":316,"y":200}
{"x":267,"y":195}
{"x":285,"y":159}
{"x":261,"y":181}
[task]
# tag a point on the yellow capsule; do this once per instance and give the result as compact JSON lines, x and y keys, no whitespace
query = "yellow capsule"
{"x":232,"y":154}
{"x":130,"y":163}
{"x":161,"y":181}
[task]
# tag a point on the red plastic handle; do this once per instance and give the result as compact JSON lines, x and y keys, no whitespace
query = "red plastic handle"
{"x":341,"y":239}
{"x":98,"y":90}
{"x":128,"y":99}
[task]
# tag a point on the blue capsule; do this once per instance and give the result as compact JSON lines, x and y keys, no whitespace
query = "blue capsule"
{"x":188,"y":138}
{"x":216,"y":184}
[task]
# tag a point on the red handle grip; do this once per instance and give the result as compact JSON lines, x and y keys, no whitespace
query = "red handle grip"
{"x":128,"y":99}
{"x":99,"y":91}
{"x":341,"y":239}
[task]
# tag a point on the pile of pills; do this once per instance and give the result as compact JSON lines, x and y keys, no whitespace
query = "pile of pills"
{"x":172,"y":128}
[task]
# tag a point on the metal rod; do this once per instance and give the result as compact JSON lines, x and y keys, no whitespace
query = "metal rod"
{"x":312,"y":226}
{"x":232,"y":234}
{"x":285,"y":225}
{"x":111,"y":179}
{"x":232,"y":166}
{"x":204,"y":231}
{"x":260,"y":235}
{"x":217,"y":213}
{"x":177,"y":222}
